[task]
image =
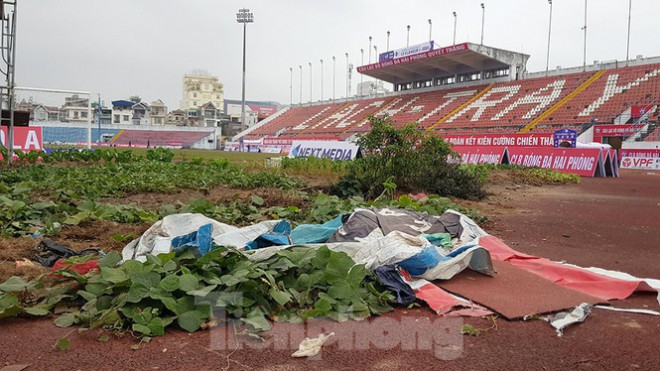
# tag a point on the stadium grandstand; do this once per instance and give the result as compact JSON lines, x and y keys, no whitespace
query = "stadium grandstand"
{"x":476,"y":89}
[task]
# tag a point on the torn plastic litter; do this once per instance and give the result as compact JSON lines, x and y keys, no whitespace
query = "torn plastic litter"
{"x":563,"y":319}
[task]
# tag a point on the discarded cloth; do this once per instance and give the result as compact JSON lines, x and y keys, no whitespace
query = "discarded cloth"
{"x":201,"y":239}
{"x":315,"y":233}
{"x":390,"y":278}
{"x":278,"y":236}
{"x":158,"y":238}
{"x":311,"y":347}
{"x":363,"y":221}
{"x":439,"y":239}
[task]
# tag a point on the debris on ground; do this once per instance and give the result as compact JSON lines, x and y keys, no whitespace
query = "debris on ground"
{"x":311,"y":347}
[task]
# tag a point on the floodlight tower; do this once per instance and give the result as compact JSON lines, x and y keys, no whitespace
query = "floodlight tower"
{"x":454,"y":14}
{"x":8,"y":53}
{"x":244,"y":16}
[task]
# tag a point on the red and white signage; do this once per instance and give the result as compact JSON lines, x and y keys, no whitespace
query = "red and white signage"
{"x":639,"y":111}
{"x":639,"y":153}
{"x":415,"y":57}
{"x":601,"y":131}
{"x":584,"y":162}
{"x":504,"y":140}
{"x":643,"y":163}
{"x":480,"y":154}
{"x":25,"y":138}
{"x":277,"y":141}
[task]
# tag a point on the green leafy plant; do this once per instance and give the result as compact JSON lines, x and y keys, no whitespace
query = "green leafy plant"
{"x":414,"y":159}
{"x":188,"y":290}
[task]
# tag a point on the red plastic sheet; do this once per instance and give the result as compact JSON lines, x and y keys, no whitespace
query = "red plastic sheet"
{"x":582,"y":280}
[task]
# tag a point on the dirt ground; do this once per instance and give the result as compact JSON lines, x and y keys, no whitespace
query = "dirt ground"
{"x":608,"y":223}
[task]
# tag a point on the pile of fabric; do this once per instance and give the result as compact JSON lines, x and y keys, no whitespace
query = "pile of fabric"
{"x":407,"y":250}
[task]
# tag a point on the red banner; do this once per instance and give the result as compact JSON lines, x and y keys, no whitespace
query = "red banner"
{"x":639,"y":111}
{"x":655,"y":153}
{"x":601,"y":131}
{"x":480,"y":154}
{"x":584,"y":162}
{"x":415,"y":57}
{"x":504,"y":140}
{"x":25,"y":138}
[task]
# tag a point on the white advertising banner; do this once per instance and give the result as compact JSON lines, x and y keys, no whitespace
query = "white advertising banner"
{"x":643,"y":163}
{"x":333,"y":150}
{"x":410,"y":50}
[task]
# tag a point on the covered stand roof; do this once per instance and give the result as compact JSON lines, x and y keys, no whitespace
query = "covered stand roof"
{"x":447,"y":61}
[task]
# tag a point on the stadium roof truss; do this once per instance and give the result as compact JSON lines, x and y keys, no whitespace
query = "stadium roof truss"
{"x":446,"y":62}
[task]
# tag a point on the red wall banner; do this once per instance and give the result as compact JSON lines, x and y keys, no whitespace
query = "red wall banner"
{"x":25,"y":138}
{"x":584,"y":162}
{"x":601,"y":131}
{"x":504,"y":140}
{"x":480,"y":154}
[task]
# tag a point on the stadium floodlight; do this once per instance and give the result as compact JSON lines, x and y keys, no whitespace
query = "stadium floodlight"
{"x":483,"y":16}
{"x":291,"y":87}
{"x":547,"y":56}
{"x":369,"y":49}
{"x":388,"y":41}
{"x":300,"y":66}
{"x":430,"y":29}
{"x":347,"y":75}
{"x":244,"y":16}
{"x":584,"y":52}
{"x":321,"y":80}
{"x":628,"y":42}
{"x":362,"y":64}
{"x":454,"y":42}
{"x":310,"y":82}
{"x":408,"y":37}
{"x":333,"y":77}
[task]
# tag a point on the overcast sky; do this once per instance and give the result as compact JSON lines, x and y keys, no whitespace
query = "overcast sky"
{"x":120,"y":48}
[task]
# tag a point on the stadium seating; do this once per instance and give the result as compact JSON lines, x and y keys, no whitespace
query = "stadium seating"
{"x":543,"y":104}
{"x":159,"y":138}
{"x":610,"y":95}
{"x":295,"y":117}
{"x":67,"y":135}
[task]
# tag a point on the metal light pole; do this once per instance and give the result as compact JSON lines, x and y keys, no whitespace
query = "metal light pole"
{"x":376,"y":82}
{"x":347,"y":75}
{"x":333,"y":77}
{"x":628,"y":42}
{"x":430,"y":29}
{"x":321,"y":80}
{"x":388,"y":41}
{"x":244,"y":16}
{"x":362,"y":64}
{"x":300,"y":65}
{"x":408,"y":36}
{"x":310,"y":82}
{"x":483,"y":17}
{"x":584,"y":52}
{"x":369,"y":49}
{"x":547,"y":56}
{"x":454,"y":42}
{"x":291,"y":87}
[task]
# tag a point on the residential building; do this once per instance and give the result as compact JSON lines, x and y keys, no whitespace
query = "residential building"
{"x":176,"y":117}
{"x":46,"y":113}
{"x":122,"y":112}
{"x":141,"y":114}
{"x":75,"y":109}
{"x":158,"y":113}
{"x":198,"y":88}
